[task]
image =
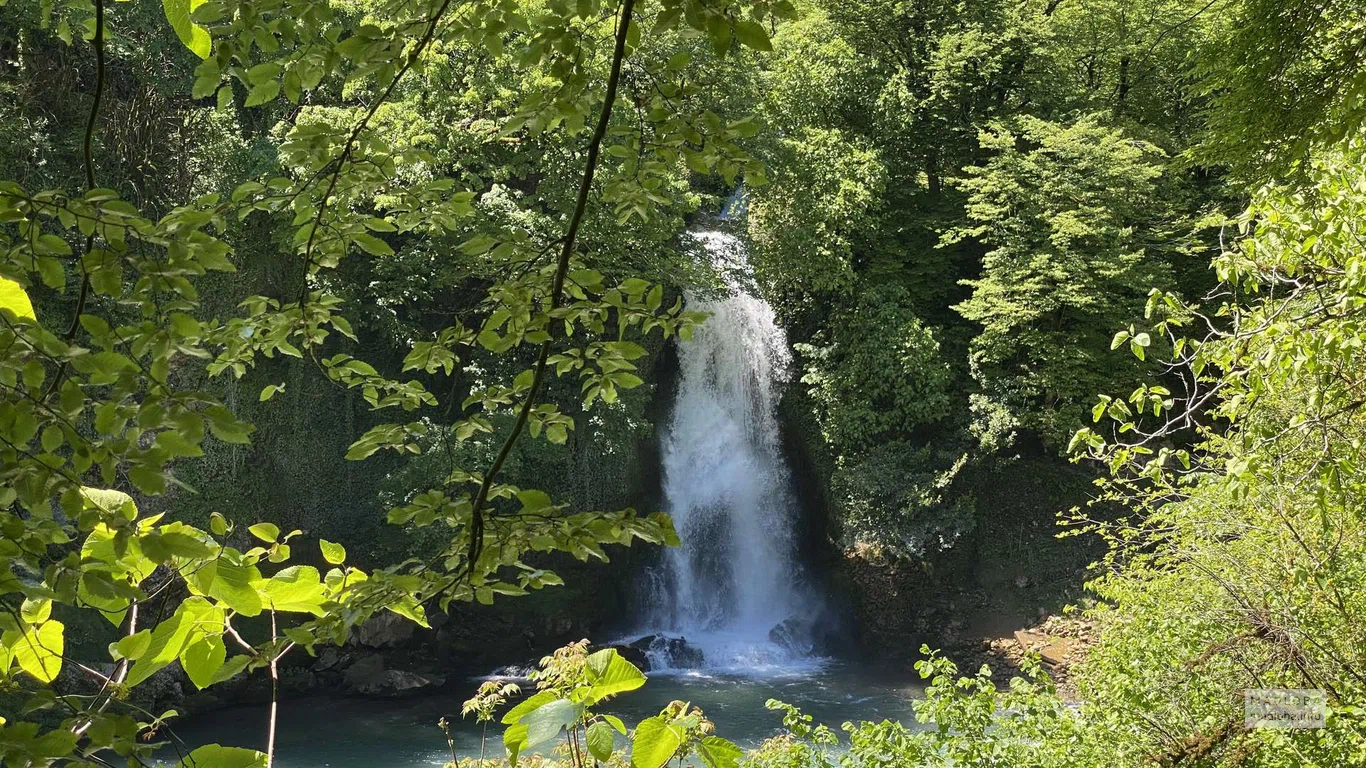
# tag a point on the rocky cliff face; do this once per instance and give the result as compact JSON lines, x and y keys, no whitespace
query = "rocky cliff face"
{"x":1005,"y":574}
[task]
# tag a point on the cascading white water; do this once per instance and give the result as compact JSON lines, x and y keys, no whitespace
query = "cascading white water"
{"x":735,"y":578}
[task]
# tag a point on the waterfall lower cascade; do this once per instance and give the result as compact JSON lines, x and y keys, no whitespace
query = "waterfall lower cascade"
{"x":732,"y":596}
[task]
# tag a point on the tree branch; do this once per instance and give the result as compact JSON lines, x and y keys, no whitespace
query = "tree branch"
{"x":476,"y":544}
{"x":89,"y":161}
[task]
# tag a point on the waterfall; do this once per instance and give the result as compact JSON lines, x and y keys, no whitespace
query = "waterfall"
{"x":734,"y":585}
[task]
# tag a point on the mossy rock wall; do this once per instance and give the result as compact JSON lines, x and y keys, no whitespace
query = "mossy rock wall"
{"x":294,"y":474}
{"x":1006,"y":572}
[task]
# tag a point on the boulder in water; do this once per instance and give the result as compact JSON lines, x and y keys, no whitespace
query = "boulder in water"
{"x":665,"y":652}
{"x":370,"y":677}
{"x":633,"y":654}
{"x":793,"y":634}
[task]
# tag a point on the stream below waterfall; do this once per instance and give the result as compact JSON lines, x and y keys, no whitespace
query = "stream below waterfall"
{"x":341,"y":732}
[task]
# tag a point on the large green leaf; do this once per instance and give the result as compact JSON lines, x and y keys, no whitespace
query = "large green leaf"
{"x":267,"y":532}
{"x":333,"y":552}
{"x":202,"y":660}
{"x":176,"y":540}
{"x":39,"y":650}
{"x":655,"y":742}
{"x":297,"y":588}
{"x":410,"y":609}
{"x":601,"y":741}
{"x":717,"y":752}
{"x":133,"y":646}
{"x":109,"y":586}
{"x":195,"y":618}
{"x":14,"y":298}
{"x":528,"y":705}
{"x":195,"y":37}
{"x":609,"y":674}
{"x":234,"y":584}
{"x":546,"y":722}
{"x":514,"y":739}
{"x":217,"y":756}
{"x":753,"y":35}
{"x":108,"y":502}
{"x":231,"y":668}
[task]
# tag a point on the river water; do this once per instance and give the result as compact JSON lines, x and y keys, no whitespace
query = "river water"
{"x":338,"y":732}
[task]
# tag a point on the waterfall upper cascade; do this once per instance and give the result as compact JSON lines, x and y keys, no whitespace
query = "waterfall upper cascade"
{"x":734,"y":590}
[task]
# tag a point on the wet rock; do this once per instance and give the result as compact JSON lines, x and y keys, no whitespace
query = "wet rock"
{"x":332,"y":658}
{"x":384,"y":629}
{"x":636,"y":656}
{"x":669,"y":652}
{"x":165,"y":687}
{"x":369,"y":676}
{"x":793,"y":634}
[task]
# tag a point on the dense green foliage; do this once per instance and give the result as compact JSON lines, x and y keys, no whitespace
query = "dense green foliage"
{"x":1004,"y":178}
{"x":1241,"y":566}
{"x":281,"y":279}
{"x":110,"y":388}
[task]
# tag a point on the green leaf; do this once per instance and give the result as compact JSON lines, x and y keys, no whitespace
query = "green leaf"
{"x":267,"y":532}
{"x":35,"y":611}
{"x":298,"y":589}
{"x":133,"y":646}
{"x":655,"y":743}
{"x":753,"y":35}
{"x":263,"y":93}
{"x":557,"y":434}
{"x":717,"y":752}
{"x":14,"y":298}
{"x":195,"y":37}
{"x":39,"y":650}
{"x":234,"y":584}
{"x":529,"y":704}
{"x":533,"y":500}
{"x":546,"y":722}
{"x":217,"y":756}
{"x":409,"y":609}
{"x":514,"y":740}
{"x":52,"y":438}
{"x":372,"y":245}
{"x":601,"y":741}
{"x":202,"y":660}
{"x":609,"y":674}
{"x":332,"y":552}
{"x":226,"y":427}
{"x":107,"y":501}
{"x":490,"y":339}
{"x":230,"y":669}
{"x":195,"y":617}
